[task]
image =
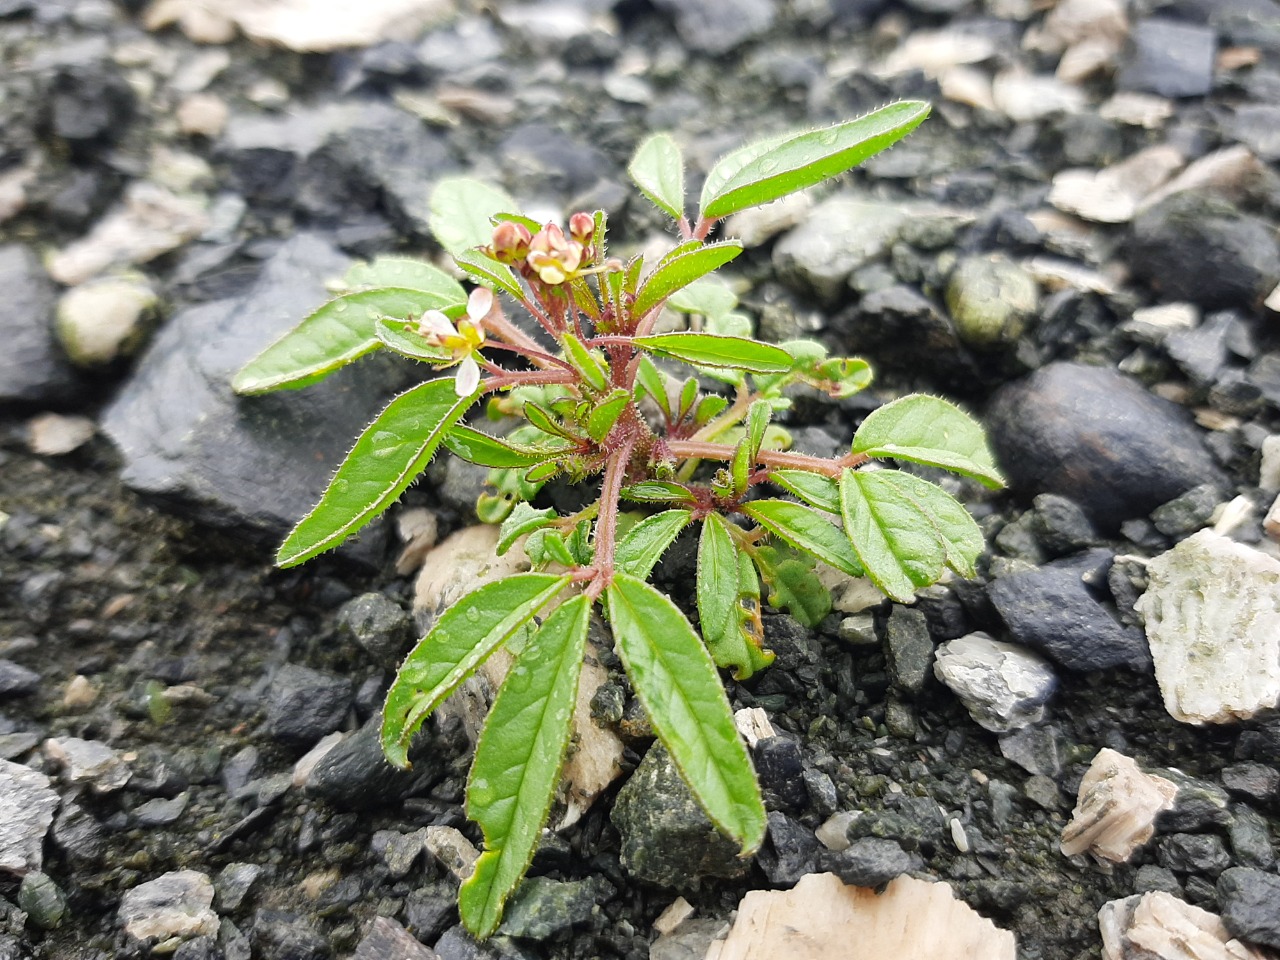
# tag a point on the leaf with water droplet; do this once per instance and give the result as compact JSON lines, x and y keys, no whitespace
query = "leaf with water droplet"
{"x":518,"y":759}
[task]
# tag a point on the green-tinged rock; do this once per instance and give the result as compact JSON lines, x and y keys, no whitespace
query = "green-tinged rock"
{"x":44,"y":903}
{"x":991,"y":300}
{"x":105,"y":319}
{"x":542,"y":907}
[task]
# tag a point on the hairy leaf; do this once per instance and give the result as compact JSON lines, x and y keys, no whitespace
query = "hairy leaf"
{"x":523,"y":519}
{"x":658,"y":491}
{"x":652,"y":381}
{"x":681,"y":269}
{"x":489,"y":272}
{"x":405,"y":273}
{"x":813,"y":488}
{"x":805,"y":530}
{"x":462,"y":638}
{"x":714,"y":350}
{"x":404,"y":339}
{"x":658,"y":170}
{"x":793,"y":586}
{"x":479,"y":448}
{"x":606,"y":414}
{"x":330,"y":337}
{"x":462,"y":210}
{"x":518,"y":759}
{"x":593,"y":369}
{"x":800,"y":161}
{"x":729,"y":602}
{"x":647,"y":541}
{"x":928,"y":430}
{"x":386,"y":458}
{"x":674,"y":677}
{"x":959,"y":533}
{"x":895,"y":540}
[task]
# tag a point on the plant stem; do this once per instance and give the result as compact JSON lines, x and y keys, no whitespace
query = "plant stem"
{"x":520,"y":378}
{"x":512,"y":335}
{"x":701,"y":450}
{"x":535,"y":355}
{"x":607,"y":522}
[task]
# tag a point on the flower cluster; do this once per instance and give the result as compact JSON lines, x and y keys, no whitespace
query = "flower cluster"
{"x":548,"y":254}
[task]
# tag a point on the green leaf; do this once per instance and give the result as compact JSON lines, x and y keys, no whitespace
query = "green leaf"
{"x":606,"y":414}
{"x":708,"y":408}
{"x":728,"y":166}
{"x":813,"y":488}
{"x":480,"y":448}
{"x":806,"y":159}
{"x":680,"y":268}
{"x":652,"y":381}
{"x":929,"y":430}
{"x":959,"y":533}
{"x":793,"y":586}
{"x":462,"y":210}
{"x":646,"y":542}
{"x":658,"y":170}
{"x":405,"y":273}
{"x":675,"y":679}
{"x":405,"y":340}
{"x":710,"y":297}
{"x":530,"y":224}
{"x":729,"y":602}
{"x":489,"y":272}
{"x":842,"y":377}
{"x":658,"y":491}
{"x":714,"y":350}
{"x":757,"y":421}
{"x":805,"y":530}
{"x":522,"y":519}
{"x":518,"y":759}
{"x":332,"y":336}
{"x":462,"y":638}
{"x":593,"y":369}
{"x":386,"y":458}
{"x":547,"y":546}
{"x":545,"y":420}
{"x":895,"y":540}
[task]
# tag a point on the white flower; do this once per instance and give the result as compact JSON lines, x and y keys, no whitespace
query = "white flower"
{"x":463,"y":341}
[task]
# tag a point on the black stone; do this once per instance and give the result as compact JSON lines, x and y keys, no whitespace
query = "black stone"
{"x":16,"y":680}
{"x":33,"y":368}
{"x":1198,"y":805}
{"x":380,"y":625}
{"x":1060,"y":526}
{"x":1251,"y":905}
{"x":90,"y":102}
{"x":790,"y":851}
{"x":1250,"y":839}
{"x":781,"y":771}
{"x":1093,"y":434}
{"x":709,"y":26}
{"x":1253,"y":781}
{"x":304,"y":704}
{"x":908,"y":649}
{"x":428,"y":913}
{"x":355,"y":775}
{"x":1202,"y":853}
{"x":870,"y":862}
{"x":286,"y":936}
{"x":1170,"y":59}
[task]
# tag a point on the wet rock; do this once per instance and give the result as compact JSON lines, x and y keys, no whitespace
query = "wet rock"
{"x":1251,"y":905}
{"x":88,"y":761}
{"x":1052,"y":610}
{"x":991,"y":300}
{"x":173,"y":907}
{"x":667,"y":840}
{"x":32,"y":367}
{"x":1212,"y":611}
{"x":387,"y":940}
{"x":714,"y":28}
{"x":254,"y":465}
{"x":305,"y":704}
{"x":908,"y":649}
{"x":355,"y":775}
{"x":1003,"y":686}
{"x":279,"y":934}
{"x":45,"y":904}
{"x":380,"y":625}
{"x":840,"y":234}
{"x":541,"y":907}
{"x":1198,"y":853}
{"x":790,"y":851}
{"x":27,"y":804}
{"x":1197,"y":247}
{"x":1253,"y":781}
{"x":1160,"y":925}
{"x":1094,"y":435}
{"x":104,"y":319}
{"x":233,"y":885}
{"x":1170,"y":58}
{"x":871,"y":862}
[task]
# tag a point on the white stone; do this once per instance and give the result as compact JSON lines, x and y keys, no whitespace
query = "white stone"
{"x":1116,"y":808}
{"x":1054,"y":273}
{"x":310,"y":760}
{"x":760,"y":224}
{"x":54,"y":434}
{"x":753,"y":723}
{"x":1272,"y":302}
{"x":676,"y":913}
{"x":841,"y":233}
{"x":1159,"y":926}
{"x":1271,"y":522}
{"x":203,"y":114}
{"x":1212,"y":613}
{"x":151,"y":221}
{"x":834,"y":832}
{"x":1269,"y":471}
{"x":1144,"y":110}
{"x":88,"y":761}
{"x":967,"y":85}
{"x":419,"y":531}
{"x":1076,"y":21}
{"x":104,"y":319}
{"x":169,"y":909}
{"x":454,"y":851}
{"x":1024,"y":97}
{"x":27,"y":805}
{"x":1113,"y":195}
{"x":1003,"y":686}
{"x":933,"y":52}
{"x":13,"y":190}
{"x":1153,"y":324}
{"x":1231,"y":172}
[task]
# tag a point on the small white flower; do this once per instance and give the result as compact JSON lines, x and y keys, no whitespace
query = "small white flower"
{"x":462,"y":341}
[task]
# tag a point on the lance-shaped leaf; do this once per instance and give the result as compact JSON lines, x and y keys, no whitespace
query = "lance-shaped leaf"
{"x":477,"y":447}
{"x":386,"y":458}
{"x":679,"y":269}
{"x":518,"y":759}
{"x":462,"y":638}
{"x":895,"y":540}
{"x":729,"y":602}
{"x":647,"y":541}
{"x":805,"y":530}
{"x":658,"y":491}
{"x":959,"y":533}
{"x":523,"y":519}
{"x":813,"y":488}
{"x":603,"y":417}
{"x":332,"y":336}
{"x":462,"y":210}
{"x":785,"y":166}
{"x":594,"y":370}
{"x":928,"y":430}
{"x":674,"y":677}
{"x":404,"y":339}
{"x":658,"y":170}
{"x":488,"y":272}
{"x":651,"y":380}
{"x":714,"y":350}
{"x":793,"y":586}
{"x":405,"y":272}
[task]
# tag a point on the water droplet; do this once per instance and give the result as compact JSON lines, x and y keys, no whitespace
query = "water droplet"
{"x":340,"y":307}
{"x":827,"y":139}
{"x":472,"y":614}
{"x":768,"y":166}
{"x":385,"y":443}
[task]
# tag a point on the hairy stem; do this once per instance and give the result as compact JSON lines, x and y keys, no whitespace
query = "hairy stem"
{"x":701,"y":450}
{"x":607,"y":522}
{"x":520,"y":378}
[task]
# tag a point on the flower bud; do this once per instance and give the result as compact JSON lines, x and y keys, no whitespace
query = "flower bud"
{"x":510,"y":242}
{"x":581,"y":227}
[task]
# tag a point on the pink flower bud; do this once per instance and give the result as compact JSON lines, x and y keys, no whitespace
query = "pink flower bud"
{"x":510,"y":242}
{"x":581,"y":227}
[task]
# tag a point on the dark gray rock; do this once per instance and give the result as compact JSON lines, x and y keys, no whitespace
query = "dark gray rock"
{"x":1257,"y":126}
{"x":1152,"y":877}
{"x":380,"y":625}
{"x":1097,"y":436}
{"x":286,"y":936}
{"x":780,"y":769}
{"x":1169,"y":58}
{"x":27,"y":804}
{"x":1201,"y":352}
{"x":541,"y":907}
{"x":233,"y":884}
{"x":78,"y":836}
{"x":915,"y":824}
{"x":908,"y":649}
{"x":90,"y":102}
{"x":667,"y":840}
{"x":355,"y":775}
{"x":33,"y":368}
{"x":790,"y":851}
{"x":253,"y":464}
{"x":1185,"y":514}
{"x":44,"y":902}
{"x":457,"y":944}
{"x":1251,"y":905}
{"x":1198,"y":804}
{"x":1253,"y":781}
{"x":305,"y":704}
{"x":16,"y":680}
{"x":1250,"y":839}
{"x":1053,"y":611}
{"x":709,"y":26}
{"x":1193,"y":853}
{"x":201,"y":948}
{"x":870,"y":862}
{"x":1198,"y":247}
{"x":160,"y":811}
{"x":428,"y":913}
{"x":1060,"y":526}
{"x":386,"y":939}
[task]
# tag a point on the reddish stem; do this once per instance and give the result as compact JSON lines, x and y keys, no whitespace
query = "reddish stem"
{"x":607,"y":521}
{"x":702,"y":450}
{"x":519,"y":378}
